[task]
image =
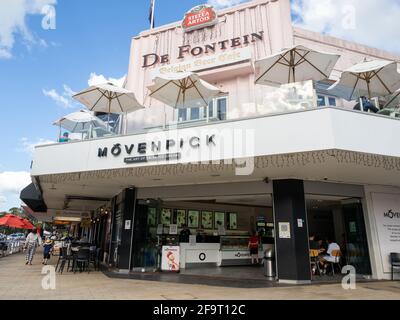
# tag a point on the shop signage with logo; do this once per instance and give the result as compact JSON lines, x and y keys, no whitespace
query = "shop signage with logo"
{"x":386,"y":208}
{"x":155,"y":150}
{"x":199,"y":17}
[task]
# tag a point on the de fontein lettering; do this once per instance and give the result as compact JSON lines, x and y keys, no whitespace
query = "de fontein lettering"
{"x":153,"y":59}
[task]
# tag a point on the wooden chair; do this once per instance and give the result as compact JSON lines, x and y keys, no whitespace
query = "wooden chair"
{"x":337,"y":255}
{"x":314,"y":259}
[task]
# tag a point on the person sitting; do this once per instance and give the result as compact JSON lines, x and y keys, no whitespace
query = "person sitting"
{"x":314,"y":245}
{"x":64,"y":137}
{"x":367,"y":105}
{"x":328,"y":257}
{"x":323,"y":245}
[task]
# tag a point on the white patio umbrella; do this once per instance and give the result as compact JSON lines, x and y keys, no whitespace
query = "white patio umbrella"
{"x":78,"y":121}
{"x":183,"y":90}
{"x":295,"y":64}
{"x":372,"y":78}
{"x":108,"y":98}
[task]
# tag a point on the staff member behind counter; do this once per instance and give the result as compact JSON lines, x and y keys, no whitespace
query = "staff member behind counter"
{"x":184,"y":234}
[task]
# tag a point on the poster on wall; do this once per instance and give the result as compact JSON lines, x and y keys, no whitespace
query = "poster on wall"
{"x":193,"y":219}
{"x":170,"y":258}
{"x":166,"y":217}
{"x":219,"y":219}
{"x":207,"y":219}
{"x":180,"y":216}
{"x":173,"y":229}
{"x":284,"y":230}
{"x":232,"y":221}
{"x":151,"y":217}
{"x":386,"y":208}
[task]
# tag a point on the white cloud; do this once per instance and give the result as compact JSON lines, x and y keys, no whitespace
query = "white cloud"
{"x":3,"y":200}
{"x":29,"y":146}
{"x":219,"y":4}
{"x":370,"y":22}
{"x":63,"y":99}
{"x":11,"y":184}
{"x":100,"y":79}
{"x":13,"y":15}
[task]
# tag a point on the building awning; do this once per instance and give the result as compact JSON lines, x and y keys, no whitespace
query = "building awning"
{"x":33,"y":198}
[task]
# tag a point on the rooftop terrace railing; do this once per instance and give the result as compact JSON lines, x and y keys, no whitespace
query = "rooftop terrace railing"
{"x":241,"y":104}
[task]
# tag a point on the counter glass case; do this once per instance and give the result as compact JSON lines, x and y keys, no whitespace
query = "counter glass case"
{"x":235,"y":243}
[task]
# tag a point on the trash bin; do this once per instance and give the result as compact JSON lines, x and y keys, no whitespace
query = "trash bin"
{"x":269,"y":263}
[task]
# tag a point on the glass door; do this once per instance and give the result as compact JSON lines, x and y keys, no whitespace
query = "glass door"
{"x":145,"y":241}
{"x":356,"y":251}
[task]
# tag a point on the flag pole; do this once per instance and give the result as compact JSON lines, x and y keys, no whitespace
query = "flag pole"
{"x":152,"y":14}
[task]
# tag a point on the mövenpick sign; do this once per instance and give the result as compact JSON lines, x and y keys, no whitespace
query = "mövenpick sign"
{"x":199,"y":17}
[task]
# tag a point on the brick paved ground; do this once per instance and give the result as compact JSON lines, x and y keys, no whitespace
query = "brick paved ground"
{"x":18,"y":281}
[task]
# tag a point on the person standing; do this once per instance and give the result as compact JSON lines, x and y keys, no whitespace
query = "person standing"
{"x":47,"y":250}
{"x":184,"y":234}
{"x":254,"y":242}
{"x":33,"y":240}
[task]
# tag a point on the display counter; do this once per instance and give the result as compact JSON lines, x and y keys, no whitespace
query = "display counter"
{"x":234,"y":251}
{"x":198,"y":254}
{"x":230,"y":251}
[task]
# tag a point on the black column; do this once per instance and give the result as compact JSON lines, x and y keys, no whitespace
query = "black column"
{"x":124,"y":248}
{"x":292,"y":253}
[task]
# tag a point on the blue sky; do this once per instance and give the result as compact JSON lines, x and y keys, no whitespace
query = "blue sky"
{"x":91,"y":36}
{"x":39,"y":68}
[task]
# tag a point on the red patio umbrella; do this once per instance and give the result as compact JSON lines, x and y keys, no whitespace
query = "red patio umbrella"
{"x":9,"y":220}
{"x":28,"y":224}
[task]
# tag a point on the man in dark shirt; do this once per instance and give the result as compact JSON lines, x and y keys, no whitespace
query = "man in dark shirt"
{"x":367,"y":105}
{"x":184,"y":234}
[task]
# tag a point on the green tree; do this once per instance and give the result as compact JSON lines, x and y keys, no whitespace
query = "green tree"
{"x":17,"y":211}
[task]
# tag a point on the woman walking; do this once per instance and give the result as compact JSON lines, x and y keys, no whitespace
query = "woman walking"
{"x":32,"y":241}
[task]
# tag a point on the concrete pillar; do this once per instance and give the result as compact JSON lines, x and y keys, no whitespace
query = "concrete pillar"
{"x":292,"y":247}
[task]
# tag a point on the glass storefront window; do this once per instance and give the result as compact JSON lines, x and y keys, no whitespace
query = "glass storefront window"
{"x":341,"y":221}
{"x":195,"y":114}
{"x":217,"y":110}
{"x":182,"y":115}
{"x":321,"y":101}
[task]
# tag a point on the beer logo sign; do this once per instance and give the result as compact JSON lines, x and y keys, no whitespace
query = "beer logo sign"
{"x":199,"y":17}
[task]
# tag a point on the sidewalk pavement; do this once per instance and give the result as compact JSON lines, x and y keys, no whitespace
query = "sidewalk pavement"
{"x":19,"y":282}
